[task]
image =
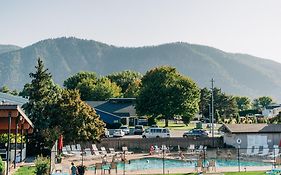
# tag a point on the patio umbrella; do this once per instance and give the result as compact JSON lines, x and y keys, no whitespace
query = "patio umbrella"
{"x":60,"y":143}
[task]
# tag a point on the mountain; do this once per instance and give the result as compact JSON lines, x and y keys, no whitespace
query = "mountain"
{"x":237,"y":74}
{"x":8,"y":48}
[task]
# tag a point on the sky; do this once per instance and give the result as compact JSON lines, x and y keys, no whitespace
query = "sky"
{"x":239,"y":26}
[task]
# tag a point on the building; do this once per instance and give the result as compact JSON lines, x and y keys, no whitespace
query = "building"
{"x":249,"y":135}
{"x":8,"y":98}
{"x":116,"y":111}
{"x":271,"y":110}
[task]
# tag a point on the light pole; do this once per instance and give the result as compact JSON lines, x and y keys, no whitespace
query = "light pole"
{"x":238,"y":152}
{"x":163,"y":158}
{"x":213,"y":135}
{"x":9,"y":143}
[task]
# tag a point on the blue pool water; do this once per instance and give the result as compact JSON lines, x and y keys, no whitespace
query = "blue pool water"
{"x":156,"y":163}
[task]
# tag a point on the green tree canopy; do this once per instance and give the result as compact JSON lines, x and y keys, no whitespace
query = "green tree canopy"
{"x":205,"y":101}
{"x":102,"y":89}
{"x":73,"y":81}
{"x":166,"y":93}
{"x":76,"y":120}
{"x":5,"y":89}
{"x":224,"y":105}
{"x":243,"y":103}
{"x":262,"y":102}
{"x":128,"y":81}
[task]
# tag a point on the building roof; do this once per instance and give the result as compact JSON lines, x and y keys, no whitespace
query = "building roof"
{"x":252,"y":128}
{"x":122,"y":107}
{"x":8,"y":98}
{"x":15,"y":111}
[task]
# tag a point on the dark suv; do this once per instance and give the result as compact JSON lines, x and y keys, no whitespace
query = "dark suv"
{"x":195,"y":133}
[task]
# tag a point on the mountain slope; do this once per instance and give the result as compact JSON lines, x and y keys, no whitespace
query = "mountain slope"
{"x":237,"y":74}
{"x":8,"y":48}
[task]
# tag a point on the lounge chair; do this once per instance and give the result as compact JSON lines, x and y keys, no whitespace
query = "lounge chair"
{"x":249,"y":151}
{"x":265,"y":151}
{"x":165,"y":148}
{"x":125,"y":149}
{"x":113,"y":152}
{"x":255,"y":151}
{"x":68,"y":149}
{"x":275,"y":152}
{"x":104,"y":152}
{"x":200,"y":149}
{"x":75,"y":150}
{"x":66,"y":153}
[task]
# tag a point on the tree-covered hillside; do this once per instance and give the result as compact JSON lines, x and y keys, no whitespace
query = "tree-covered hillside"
{"x":8,"y":48}
{"x":236,"y":74}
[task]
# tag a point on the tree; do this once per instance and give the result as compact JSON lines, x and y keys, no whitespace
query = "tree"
{"x":5,"y":89}
{"x":83,"y":124}
{"x":41,"y":92}
{"x":72,"y":82}
{"x":262,"y":102}
{"x":102,"y":89}
{"x":243,"y":103}
{"x":224,"y":105}
{"x":128,"y":81}
{"x":205,"y":102}
{"x":166,"y":93}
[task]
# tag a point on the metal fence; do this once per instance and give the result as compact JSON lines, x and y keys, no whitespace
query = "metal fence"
{"x":167,"y":160}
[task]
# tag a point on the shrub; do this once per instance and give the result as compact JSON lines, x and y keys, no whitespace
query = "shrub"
{"x":1,"y":166}
{"x":42,"y":165}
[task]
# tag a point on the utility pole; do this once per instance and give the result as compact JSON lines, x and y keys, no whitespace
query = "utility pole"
{"x":213,"y":135}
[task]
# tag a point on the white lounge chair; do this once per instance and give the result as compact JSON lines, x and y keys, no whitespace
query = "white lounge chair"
{"x":255,"y":151}
{"x":68,"y":149}
{"x":66,"y":153}
{"x":75,"y":150}
{"x":200,"y":149}
{"x":113,"y":152}
{"x":125,"y":149}
{"x":265,"y":151}
{"x":275,"y":152}
{"x":104,"y":152}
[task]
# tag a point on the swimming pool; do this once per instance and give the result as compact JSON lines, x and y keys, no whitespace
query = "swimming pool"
{"x":156,"y":163}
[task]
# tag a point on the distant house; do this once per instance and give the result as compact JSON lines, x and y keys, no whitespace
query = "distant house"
{"x":271,"y":110}
{"x":12,"y":99}
{"x":251,"y":135}
{"x":116,"y":111}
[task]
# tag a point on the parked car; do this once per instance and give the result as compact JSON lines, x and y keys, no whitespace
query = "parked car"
{"x":195,"y":133}
{"x":156,"y":133}
{"x":138,"y":130}
{"x":118,"y":133}
{"x":125,"y":129}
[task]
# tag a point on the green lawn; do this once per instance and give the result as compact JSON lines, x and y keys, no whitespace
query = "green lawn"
{"x":176,"y":126}
{"x":230,"y":173}
{"x":246,"y":173}
{"x":24,"y":170}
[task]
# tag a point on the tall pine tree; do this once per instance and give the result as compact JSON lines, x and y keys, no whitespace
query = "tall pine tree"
{"x":41,"y":92}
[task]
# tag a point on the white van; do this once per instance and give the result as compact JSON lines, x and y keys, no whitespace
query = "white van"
{"x":156,"y":133}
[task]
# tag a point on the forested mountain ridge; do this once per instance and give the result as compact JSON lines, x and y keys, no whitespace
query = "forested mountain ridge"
{"x":237,"y":74}
{"x":8,"y":48}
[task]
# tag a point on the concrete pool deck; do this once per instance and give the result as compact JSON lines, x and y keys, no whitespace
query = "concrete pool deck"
{"x":65,"y":166}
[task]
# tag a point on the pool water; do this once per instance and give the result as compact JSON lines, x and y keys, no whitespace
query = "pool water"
{"x":156,"y":163}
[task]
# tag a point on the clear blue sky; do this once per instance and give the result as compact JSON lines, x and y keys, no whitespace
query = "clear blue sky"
{"x":244,"y":26}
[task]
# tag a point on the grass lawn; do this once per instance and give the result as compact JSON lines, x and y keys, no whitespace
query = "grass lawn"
{"x":246,"y":173}
{"x":176,"y":126}
{"x":230,"y":173}
{"x":24,"y":170}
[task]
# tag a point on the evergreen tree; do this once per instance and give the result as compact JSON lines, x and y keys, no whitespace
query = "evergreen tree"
{"x":41,"y":93}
